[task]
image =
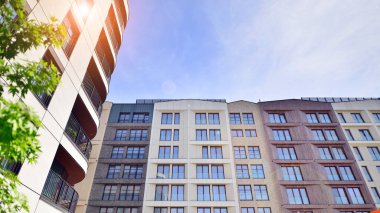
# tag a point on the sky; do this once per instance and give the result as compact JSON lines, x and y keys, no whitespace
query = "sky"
{"x":248,"y":50}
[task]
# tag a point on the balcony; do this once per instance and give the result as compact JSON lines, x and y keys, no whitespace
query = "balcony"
{"x":121,"y":13}
{"x":92,"y":93}
{"x":104,"y":60}
{"x":78,"y":136}
{"x":59,"y":192}
{"x":113,"y":31}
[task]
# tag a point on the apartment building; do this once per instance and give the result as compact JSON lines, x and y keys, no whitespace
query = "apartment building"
{"x":71,"y":115}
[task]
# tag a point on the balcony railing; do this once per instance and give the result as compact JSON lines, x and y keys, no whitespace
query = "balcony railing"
{"x":90,"y":89}
{"x":77,"y":135}
{"x":103,"y":61}
{"x":120,"y":13}
{"x":59,"y":192}
{"x":111,"y":32}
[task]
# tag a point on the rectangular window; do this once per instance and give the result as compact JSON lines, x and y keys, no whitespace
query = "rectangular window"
{"x":165,"y":135}
{"x":377,"y":117}
{"x":128,"y":210}
{"x":366,"y":135}
{"x":166,"y":118}
{"x":215,"y":135}
{"x":216,"y":152}
{"x":346,"y":173}
{"x":203,"y":210}
{"x":121,"y":135}
{"x":374,"y":151}
{"x":178,"y":171}
{"x":220,"y":210}
{"x":109,"y":192}
{"x":177,"y":118}
{"x":240,"y":152}
{"x":237,"y":133}
{"x":339,"y":153}
{"x":281,"y":135}
{"x":133,"y":171}
{"x":163,"y":171}
{"x":177,"y":210}
{"x":178,"y":192}
{"x":164,"y":152}
{"x":297,"y":196}
{"x":113,"y":172}
{"x":200,"y":118}
{"x":202,"y":172}
{"x":324,"y":118}
{"x":248,"y":118}
{"x":291,"y":173}
{"x":375,"y":194}
{"x":341,"y":118}
{"x":176,"y":135}
{"x":106,"y":210}
{"x":247,"y":210}
{"x":318,"y":135}
{"x":124,"y":117}
{"x":213,"y":118}
{"x":140,"y":118}
{"x":161,"y":193}
{"x":261,"y":192}
{"x":358,"y":155}
{"x":349,"y":135}
{"x":277,"y":118}
{"x":203,"y":193}
{"x":331,"y":135}
{"x":257,"y":171}
{"x":324,"y":153}
{"x":219,"y":193}
{"x":135,"y":152}
{"x":357,"y":118}
{"x":72,"y":33}
{"x":217,"y":171}
{"x":254,"y":152}
{"x":235,"y":118}
{"x":175,"y":152}
{"x":312,"y":118}
{"x":332,"y":173}
{"x":286,"y":153}
{"x":355,"y":195}
{"x":245,"y":192}
{"x":340,"y":196}
{"x":138,"y":135}
{"x":205,"y":152}
{"x":160,"y":210}
{"x":267,"y":210}
{"x":367,"y":175}
{"x":242,"y":171}
{"x":117,"y":152}
{"x":250,"y":133}
{"x":130,"y":192}
{"x":201,"y":135}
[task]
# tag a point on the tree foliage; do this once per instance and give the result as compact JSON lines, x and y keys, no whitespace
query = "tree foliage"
{"x":19,"y":124}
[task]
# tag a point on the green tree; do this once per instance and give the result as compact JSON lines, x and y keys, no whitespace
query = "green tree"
{"x":19,"y":124}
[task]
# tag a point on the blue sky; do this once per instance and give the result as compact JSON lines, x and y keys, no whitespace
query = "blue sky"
{"x":248,"y":49}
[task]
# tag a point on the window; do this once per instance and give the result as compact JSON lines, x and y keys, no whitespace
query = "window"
{"x":220,"y":210}
{"x":138,"y":135}
{"x":201,"y":135}
{"x":248,"y":118}
{"x":242,"y":171}
{"x":162,"y":193}
{"x":164,"y":152}
{"x":286,"y":153}
{"x":130,"y":192}
{"x":357,"y":118}
{"x":121,"y":135}
{"x":349,"y":135}
{"x":205,"y":152}
{"x":176,"y":210}
{"x":367,"y":175}
{"x":357,"y":153}
{"x":250,"y":133}
{"x":355,"y":196}
{"x":177,"y":118}
{"x":340,"y":196}
{"x":178,"y":171}
{"x":203,"y":210}
{"x":202,"y":171}
{"x":219,"y":193}
{"x":203,"y":193}
{"x":237,"y":133}
{"x":133,"y":171}
{"x":239,"y":152}
{"x":332,"y":173}
{"x":324,"y":118}
{"x":216,"y":152}
{"x":178,"y":192}
{"x":117,"y":152}
{"x":277,"y":118}
{"x":375,"y":194}
{"x":175,"y":152}
{"x":374,"y":151}
{"x":166,"y":118}
{"x":257,"y":171}
{"x":261,"y":192}
{"x":235,"y":118}
{"x":245,"y":192}
{"x":109,"y":192}
{"x":124,"y":117}
{"x":163,"y":171}
{"x":200,"y":118}
{"x":339,"y":153}
{"x":176,"y":135}
{"x":247,"y":210}
{"x":165,"y":135}
{"x":366,"y":135}
{"x":217,"y":171}
{"x":331,"y":135}
{"x":318,"y":135}
{"x":346,"y":173}
{"x":341,"y":118}
{"x":72,"y":33}
{"x":113,"y":171}
{"x":281,"y":135}
{"x":140,"y":118}
{"x":291,"y":173}
{"x":297,"y":196}
{"x":312,"y":118}
{"x":377,"y":117}
{"x":135,"y":152}
{"x":263,"y":210}
{"x":215,"y":135}
{"x":160,"y":210}
{"x":324,"y":153}
{"x":106,"y":210}
{"x":254,"y":152}
{"x":213,"y":118}
{"x":127,"y":210}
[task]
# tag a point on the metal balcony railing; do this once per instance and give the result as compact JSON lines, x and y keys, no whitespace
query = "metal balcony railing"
{"x":77,"y":135}
{"x":59,"y":192}
{"x":111,"y":32}
{"x":90,"y":89}
{"x":103,"y":61}
{"x":44,"y":98}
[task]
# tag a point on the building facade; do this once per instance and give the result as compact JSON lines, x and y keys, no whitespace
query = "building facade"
{"x":210,"y":156}
{"x":70,"y":116}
